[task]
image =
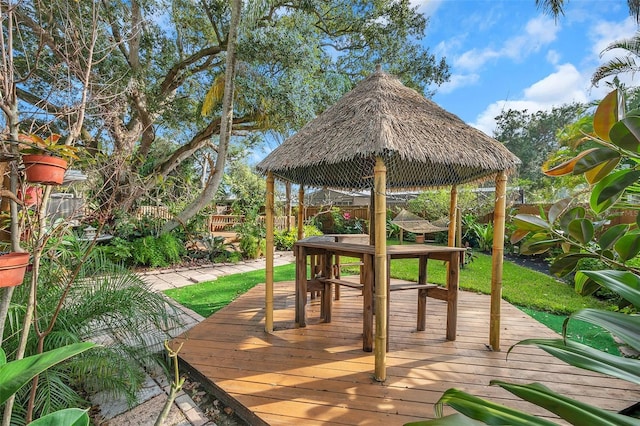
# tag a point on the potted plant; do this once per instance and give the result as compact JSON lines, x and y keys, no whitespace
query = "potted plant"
{"x":12,"y":268}
{"x":45,"y":160}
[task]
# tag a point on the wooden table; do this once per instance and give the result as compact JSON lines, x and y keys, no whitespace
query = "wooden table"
{"x":326,"y":249}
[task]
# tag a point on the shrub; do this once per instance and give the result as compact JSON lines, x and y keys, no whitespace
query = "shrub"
{"x":284,"y":240}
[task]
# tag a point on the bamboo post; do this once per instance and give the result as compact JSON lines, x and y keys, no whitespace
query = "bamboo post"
{"x":497,"y":259}
{"x":453,"y":206}
{"x":270,"y":205}
{"x":458,"y":227}
{"x":301,"y":212}
{"x":380,"y":176}
{"x":372,"y":218}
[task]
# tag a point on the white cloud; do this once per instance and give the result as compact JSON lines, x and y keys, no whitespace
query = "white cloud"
{"x":539,"y":32}
{"x":426,"y":7}
{"x":457,"y":81}
{"x":553,"y":57}
{"x":565,"y":85}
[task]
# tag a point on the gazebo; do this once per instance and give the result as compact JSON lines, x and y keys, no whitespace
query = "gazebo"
{"x":383,"y":136}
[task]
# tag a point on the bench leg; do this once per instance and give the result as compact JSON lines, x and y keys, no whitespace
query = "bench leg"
{"x":422,"y":309}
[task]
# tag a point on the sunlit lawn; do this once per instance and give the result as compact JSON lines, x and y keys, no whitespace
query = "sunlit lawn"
{"x":543,"y":295}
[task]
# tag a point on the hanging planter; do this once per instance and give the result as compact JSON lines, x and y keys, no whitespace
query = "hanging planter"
{"x":45,"y":160}
{"x":12,"y":268}
{"x":44,"y":169}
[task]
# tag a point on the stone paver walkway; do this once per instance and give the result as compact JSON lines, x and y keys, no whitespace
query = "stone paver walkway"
{"x":154,"y":393}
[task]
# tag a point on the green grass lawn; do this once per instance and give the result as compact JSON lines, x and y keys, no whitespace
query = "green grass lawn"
{"x":539,"y":295}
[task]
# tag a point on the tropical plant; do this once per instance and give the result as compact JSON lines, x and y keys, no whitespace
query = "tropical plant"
{"x":613,"y":170}
{"x":251,"y":234}
{"x":15,"y":374}
{"x":34,"y":144}
{"x":106,"y":303}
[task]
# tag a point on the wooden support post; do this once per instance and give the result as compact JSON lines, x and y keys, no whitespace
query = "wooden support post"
{"x":380,"y":349}
{"x":497,"y":260}
{"x":301,"y":212}
{"x":453,"y":206}
{"x":458,"y":227}
{"x":270,"y":213}
{"x":372,"y":219}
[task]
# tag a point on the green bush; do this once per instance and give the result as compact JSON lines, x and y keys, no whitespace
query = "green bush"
{"x":171,"y":247}
{"x":145,"y":252}
{"x":284,"y":240}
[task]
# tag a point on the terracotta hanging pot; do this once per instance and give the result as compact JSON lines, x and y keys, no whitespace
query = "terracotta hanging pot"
{"x":12,"y":268}
{"x":44,"y":169}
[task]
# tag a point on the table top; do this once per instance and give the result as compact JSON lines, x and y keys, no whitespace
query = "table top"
{"x":361,"y":249}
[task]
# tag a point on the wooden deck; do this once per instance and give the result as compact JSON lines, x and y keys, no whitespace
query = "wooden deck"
{"x":319,"y":375}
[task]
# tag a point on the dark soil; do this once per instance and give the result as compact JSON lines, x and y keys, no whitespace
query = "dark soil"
{"x":537,"y":263}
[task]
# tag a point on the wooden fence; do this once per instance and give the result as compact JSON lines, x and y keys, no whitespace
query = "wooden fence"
{"x":226,"y":222}
{"x":355,"y":212}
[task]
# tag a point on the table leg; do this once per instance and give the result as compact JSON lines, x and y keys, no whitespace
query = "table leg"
{"x":367,"y":304}
{"x":301,"y":287}
{"x":422,"y":294}
{"x":326,"y":294}
{"x":337,"y":275}
{"x":452,"y":295}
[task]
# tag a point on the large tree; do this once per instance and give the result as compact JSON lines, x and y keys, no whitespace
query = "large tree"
{"x":533,"y":137}
{"x":298,"y":59}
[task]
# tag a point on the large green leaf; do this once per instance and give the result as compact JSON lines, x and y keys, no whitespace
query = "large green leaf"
{"x":565,"y":263}
{"x":486,"y":411}
{"x":538,"y":243}
{"x":628,"y":246}
{"x":602,"y":170}
{"x":566,"y":167}
{"x":15,"y":374}
{"x":611,"y":235}
{"x":606,"y":115}
{"x":577,"y":212}
{"x":575,"y":412}
{"x":625,"y":133}
{"x":557,"y":208}
{"x":610,"y":189}
{"x":594,"y":158}
{"x":528,"y":222}
{"x":581,"y":229}
{"x":624,"y":326}
{"x":456,"y":419}
{"x":584,"y":285}
{"x":67,"y":417}
{"x":625,"y":283}
{"x":585,"y":357}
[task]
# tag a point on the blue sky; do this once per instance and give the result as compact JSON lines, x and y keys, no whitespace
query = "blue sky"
{"x":509,"y":55}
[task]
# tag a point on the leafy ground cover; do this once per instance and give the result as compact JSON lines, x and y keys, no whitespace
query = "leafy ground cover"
{"x":539,"y":295}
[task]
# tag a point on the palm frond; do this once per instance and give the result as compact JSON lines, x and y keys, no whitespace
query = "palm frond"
{"x":632,"y":45}
{"x":213,"y":98}
{"x":614,"y":67}
{"x":553,"y":7}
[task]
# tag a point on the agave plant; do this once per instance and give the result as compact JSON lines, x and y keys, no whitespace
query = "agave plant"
{"x":612,"y":168}
{"x":106,"y":304}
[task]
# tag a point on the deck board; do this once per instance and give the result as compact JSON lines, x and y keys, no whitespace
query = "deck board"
{"x":319,"y":375}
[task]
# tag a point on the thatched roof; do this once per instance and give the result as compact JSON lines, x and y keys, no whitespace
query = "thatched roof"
{"x":422,"y":144}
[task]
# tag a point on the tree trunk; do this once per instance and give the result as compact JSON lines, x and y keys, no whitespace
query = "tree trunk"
{"x":209,"y":192}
